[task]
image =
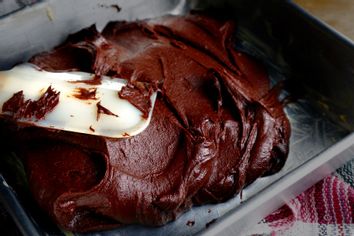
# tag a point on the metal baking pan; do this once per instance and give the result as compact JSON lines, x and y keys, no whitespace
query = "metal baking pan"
{"x":316,"y":62}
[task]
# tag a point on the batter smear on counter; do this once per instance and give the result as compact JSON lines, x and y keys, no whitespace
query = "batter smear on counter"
{"x":216,"y":126}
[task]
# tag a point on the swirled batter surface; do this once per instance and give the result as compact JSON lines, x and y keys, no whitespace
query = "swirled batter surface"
{"x":216,"y":126}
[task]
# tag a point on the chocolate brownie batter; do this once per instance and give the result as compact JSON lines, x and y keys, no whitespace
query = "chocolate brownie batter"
{"x":216,"y":126}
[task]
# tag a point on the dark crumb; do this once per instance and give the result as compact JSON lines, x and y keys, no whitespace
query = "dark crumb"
{"x":126,"y":135}
{"x":102,"y":110}
{"x":71,"y":115}
{"x":190,"y":223}
{"x":114,"y":6}
{"x":85,"y":94}
{"x":92,"y":129}
{"x":210,"y":222}
{"x":209,"y":210}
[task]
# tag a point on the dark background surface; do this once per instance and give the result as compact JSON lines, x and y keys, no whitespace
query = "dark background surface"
{"x":7,"y":225}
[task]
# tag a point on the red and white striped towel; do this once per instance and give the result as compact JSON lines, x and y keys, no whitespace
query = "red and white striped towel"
{"x":327,"y":208}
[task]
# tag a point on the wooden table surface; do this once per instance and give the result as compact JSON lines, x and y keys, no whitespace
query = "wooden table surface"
{"x":337,"y":13}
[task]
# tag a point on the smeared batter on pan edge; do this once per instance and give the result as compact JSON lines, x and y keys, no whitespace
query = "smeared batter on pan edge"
{"x":216,"y":126}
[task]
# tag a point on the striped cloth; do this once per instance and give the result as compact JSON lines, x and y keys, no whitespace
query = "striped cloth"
{"x":327,"y":208}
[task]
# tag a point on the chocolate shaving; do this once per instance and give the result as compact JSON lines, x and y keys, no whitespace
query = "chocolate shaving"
{"x":21,"y":108}
{"x":139,"y":95}
{"x":102,"y":110}
{"x":85,"y":94}
{"x":92,"y":129}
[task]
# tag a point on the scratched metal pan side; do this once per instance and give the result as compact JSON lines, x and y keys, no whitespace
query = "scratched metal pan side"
{"x":275,"y":32}
{"x":47,"y":23}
